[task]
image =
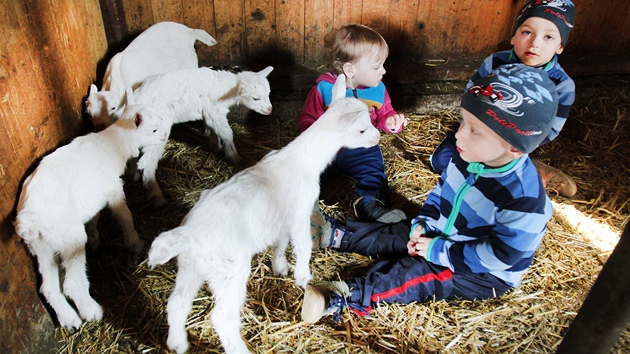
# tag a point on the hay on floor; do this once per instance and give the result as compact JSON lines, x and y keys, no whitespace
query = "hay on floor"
{"x":531,"y":319}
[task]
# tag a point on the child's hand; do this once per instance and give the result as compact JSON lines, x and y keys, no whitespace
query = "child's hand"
{"x":396,"y":122}
{"x":416,"y":243}
{"x":418,"y":246}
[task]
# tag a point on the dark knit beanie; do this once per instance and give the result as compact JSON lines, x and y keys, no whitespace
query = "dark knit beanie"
{"x":517,"y":101}
{"x":560,"y":12}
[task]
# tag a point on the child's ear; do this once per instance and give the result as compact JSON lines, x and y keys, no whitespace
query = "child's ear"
{"x":514,"y":153}
{"x":560,"y":50}
{"x":512,"y":40}
{"x":348,"y":69}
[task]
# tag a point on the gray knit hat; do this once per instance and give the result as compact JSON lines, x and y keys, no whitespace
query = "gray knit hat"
{"x":560,"y":12}
{"x":517,"y":101}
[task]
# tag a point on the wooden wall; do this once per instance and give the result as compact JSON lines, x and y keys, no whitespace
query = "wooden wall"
{"x":293,"y":31}
{"x":50,"y":51}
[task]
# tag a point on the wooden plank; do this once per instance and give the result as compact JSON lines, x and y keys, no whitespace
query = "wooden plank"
{"x":200,"y":14}
{"x":318,"y":23}
{"x":138,"y":15}
{"x":374,"y":14}
{"x":290,"y":30}
{"x":347,"y":12}
{"x":167,"y":10}
{"x":429,"y":30}
{"x":260,"y":25}
{"x":402,"y":30}
{"x":230,"y":31}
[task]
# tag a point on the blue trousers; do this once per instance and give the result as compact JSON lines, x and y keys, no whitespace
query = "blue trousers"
{"x":366,"y":166}
{"x":400,"y":278}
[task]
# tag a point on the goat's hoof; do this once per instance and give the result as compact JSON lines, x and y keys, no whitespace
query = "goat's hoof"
{"x":70,"y":321}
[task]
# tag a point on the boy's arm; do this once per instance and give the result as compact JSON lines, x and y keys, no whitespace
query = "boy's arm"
{"x":509,"y":244}
{"x":313,"y":109}
{"x":566,"y":97}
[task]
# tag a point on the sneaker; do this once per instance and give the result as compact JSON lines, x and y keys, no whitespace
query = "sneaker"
{"x":325,"y":232}
{"x":324,"y":298}
{"x":376,"y":211}
{"x":556,"y":180}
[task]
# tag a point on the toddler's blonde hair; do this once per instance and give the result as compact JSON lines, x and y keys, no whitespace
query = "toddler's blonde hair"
{"x":352,"y":42}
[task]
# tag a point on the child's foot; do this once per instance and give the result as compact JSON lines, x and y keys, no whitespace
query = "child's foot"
{"x":556,"y":180}
{"x":325,"y":232}
{"x":377,"y":211}
{"x":324,"y":298}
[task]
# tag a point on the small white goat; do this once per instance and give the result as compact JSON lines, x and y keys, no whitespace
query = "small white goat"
{"x":266,"y":205}
{"x":67,"y":190}
{"x":163,"y":47}
{"x":194,"y":94}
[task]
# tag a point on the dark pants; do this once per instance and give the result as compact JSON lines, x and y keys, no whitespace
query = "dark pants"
{"x":404,"y":279}
{"x":366,"y":166}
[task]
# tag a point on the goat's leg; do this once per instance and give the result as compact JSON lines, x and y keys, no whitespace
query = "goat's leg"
{"x":91,"y":227}
{"x":229,"y":297}
{"x":121,"y":211}
{"x":219,"y":124}
{"x":302,"y":248}
{"x":187,"y":286}
{"x":148,"y":164}
{"x":76,"y":284}
{"x":279,"y":262}
{"x":50,"y":288}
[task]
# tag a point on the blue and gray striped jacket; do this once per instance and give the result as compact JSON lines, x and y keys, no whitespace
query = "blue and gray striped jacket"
{"x":486,"y":220}
{"x":564,"y":85}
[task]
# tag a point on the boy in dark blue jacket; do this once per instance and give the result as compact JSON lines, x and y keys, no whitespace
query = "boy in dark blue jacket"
{"x":540,"y":34}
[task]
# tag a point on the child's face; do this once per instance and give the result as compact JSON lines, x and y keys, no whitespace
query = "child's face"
{"x":476,"y":142}
{"x":536,"y":41}
{"x":368,"y":71}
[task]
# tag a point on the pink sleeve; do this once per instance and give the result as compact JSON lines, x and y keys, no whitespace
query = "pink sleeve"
{"x":313,"y":109}
{"x":383,"y":113}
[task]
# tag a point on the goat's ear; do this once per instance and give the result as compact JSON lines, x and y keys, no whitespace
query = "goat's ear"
{"x":129,"y":93}
{"x":339,"y":88}
{"x":93,"y":90}
{"x":265,"y":72}
{"x":137,"y":119}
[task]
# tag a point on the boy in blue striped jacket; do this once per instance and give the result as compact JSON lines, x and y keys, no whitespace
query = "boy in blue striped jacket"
{"x":540,"y":34}
{"x":478,"y":230}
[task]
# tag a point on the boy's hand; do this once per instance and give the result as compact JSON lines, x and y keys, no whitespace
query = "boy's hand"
{"x":418,"y":244}
{"x":396,"y":122}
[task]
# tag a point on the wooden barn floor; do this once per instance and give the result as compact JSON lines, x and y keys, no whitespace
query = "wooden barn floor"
{"x":531,"y":319}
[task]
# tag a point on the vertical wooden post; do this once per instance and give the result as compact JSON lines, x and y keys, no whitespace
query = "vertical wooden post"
{"x":113,"y":14}
{"x":606,"y":310}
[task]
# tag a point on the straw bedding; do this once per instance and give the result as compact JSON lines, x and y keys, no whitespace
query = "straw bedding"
{"x":531,"y":319}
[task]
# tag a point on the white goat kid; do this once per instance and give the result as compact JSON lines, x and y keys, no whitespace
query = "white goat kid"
{"x":67,"y":190}
{"x":195,"y":94}
{"x":163,"y":47}
{"x":266,"y":205}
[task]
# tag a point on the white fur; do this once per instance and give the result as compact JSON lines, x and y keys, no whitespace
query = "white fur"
{"x":195,"y":94}
{"x":266,"y":205}
{"x":67,"y":190}
{"x":163,"y":47}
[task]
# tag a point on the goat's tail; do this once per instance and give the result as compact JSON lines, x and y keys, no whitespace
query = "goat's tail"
{"x":204,"y":37}
{"x":26,"y":227}
{"x":167,"y":245}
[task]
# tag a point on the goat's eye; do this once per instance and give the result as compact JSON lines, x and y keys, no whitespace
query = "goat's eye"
{"x":155,"y":130}
{"x":362,"y":131}
{"x":256,"y":99}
